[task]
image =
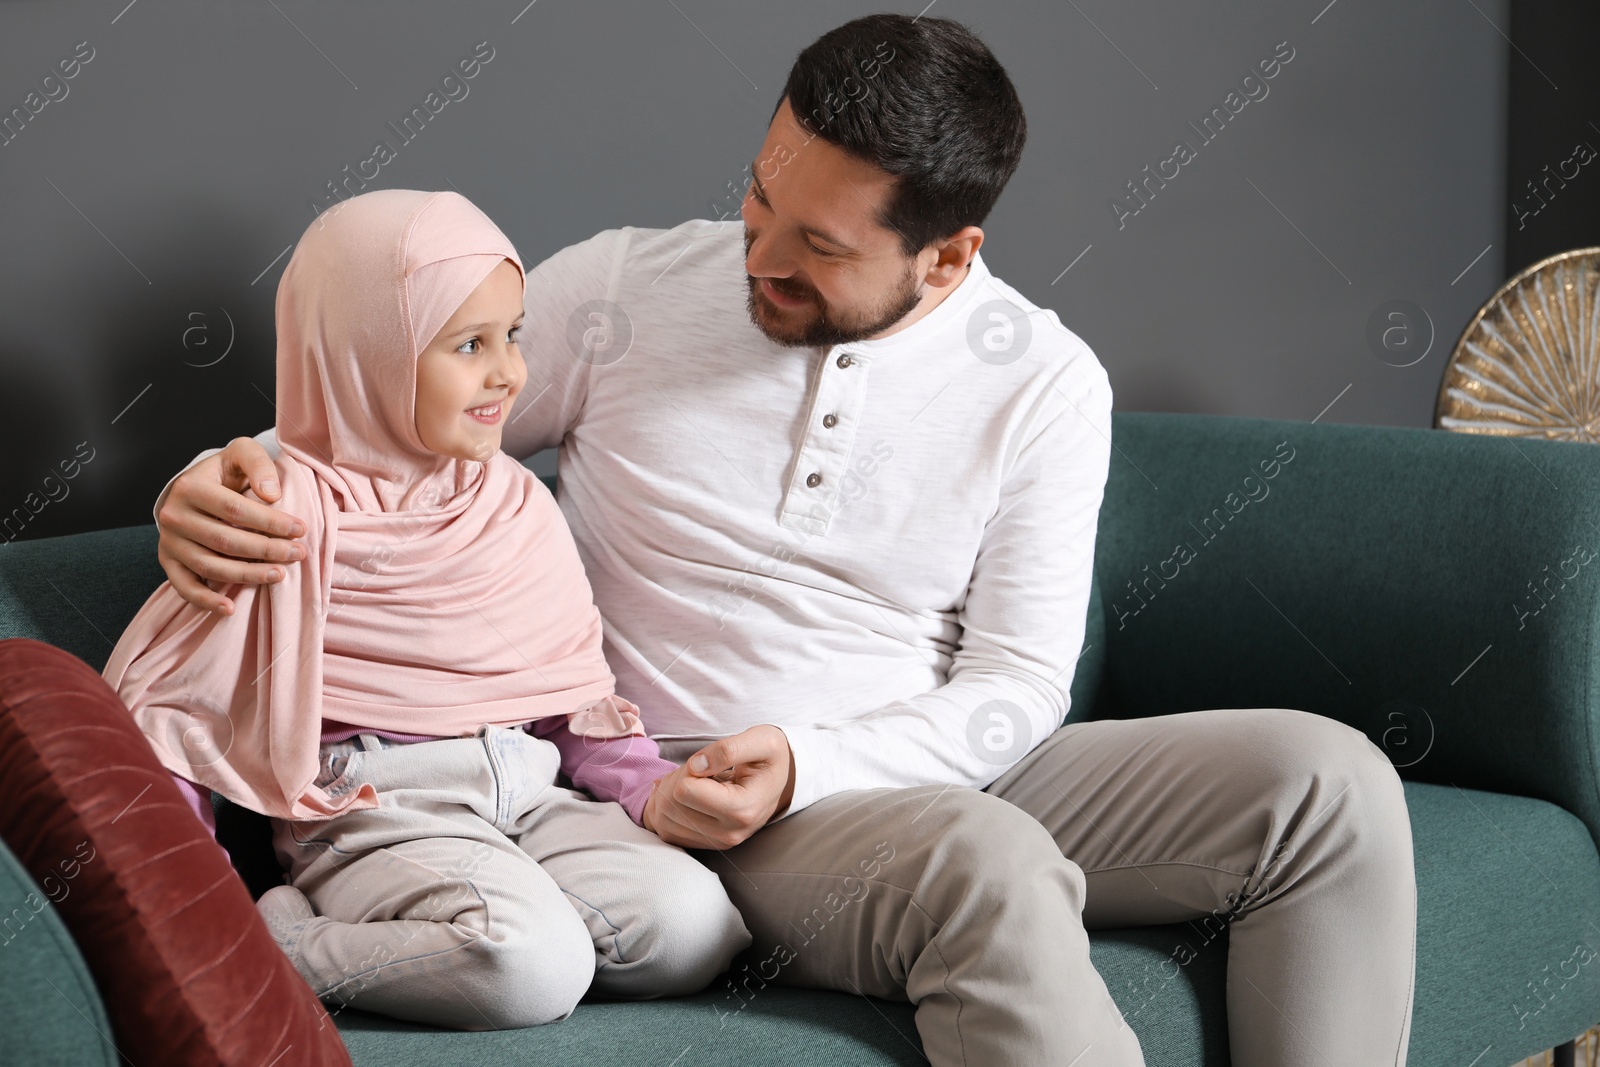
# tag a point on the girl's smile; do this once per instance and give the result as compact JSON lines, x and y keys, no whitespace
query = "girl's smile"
{"x":488,"y":415}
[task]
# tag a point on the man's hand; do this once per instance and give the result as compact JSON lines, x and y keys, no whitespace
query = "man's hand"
{"x":211,"y":532}
{"x":725,"y":792}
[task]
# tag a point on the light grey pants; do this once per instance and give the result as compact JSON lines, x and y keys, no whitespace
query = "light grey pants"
{"x":1288,"y":828}
{"x":482,"y":895}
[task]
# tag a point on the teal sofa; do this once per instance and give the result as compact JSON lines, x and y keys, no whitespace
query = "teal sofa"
{"x":1437,"y":591}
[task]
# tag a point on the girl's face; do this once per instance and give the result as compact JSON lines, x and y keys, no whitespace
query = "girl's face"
{"x":469,"y":374}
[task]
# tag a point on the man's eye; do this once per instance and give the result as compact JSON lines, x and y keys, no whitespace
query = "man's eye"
{"x":820,"y":251}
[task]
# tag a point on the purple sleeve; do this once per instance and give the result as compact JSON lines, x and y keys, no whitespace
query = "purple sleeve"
{"x":623,"y":769}
{"x":200,"y":800}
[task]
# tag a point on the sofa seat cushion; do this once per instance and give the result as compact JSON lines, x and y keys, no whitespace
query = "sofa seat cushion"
{"x":1508,"y":926}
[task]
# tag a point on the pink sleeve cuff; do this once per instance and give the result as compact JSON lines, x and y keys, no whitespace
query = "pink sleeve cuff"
{"x":623,"y":769}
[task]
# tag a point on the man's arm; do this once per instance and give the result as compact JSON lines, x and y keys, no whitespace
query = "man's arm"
{"x":212,"y":533}
{"x":1022,"y":623}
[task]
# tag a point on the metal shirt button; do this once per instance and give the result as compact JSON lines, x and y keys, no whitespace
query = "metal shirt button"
{"x":813,"y":479}
{"x":844,"y":359}
{"x":830,"y":420}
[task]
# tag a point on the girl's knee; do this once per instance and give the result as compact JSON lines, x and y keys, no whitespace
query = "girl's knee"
{"x":706,"y":933}
{"x":686,"y":933}
{"x":527,"y":975}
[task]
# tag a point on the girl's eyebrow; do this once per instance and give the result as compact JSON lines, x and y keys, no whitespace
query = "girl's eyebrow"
{"x":475,"y":327}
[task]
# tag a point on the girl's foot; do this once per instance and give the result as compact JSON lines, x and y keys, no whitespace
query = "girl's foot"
{"x":283,"y":907}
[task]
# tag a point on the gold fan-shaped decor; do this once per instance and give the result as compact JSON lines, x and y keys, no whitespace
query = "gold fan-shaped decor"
{"x":1528,"y":364}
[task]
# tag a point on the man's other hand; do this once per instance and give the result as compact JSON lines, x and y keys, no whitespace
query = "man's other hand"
{"x":725,"y":792}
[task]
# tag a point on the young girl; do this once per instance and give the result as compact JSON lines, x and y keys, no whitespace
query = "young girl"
{"x":377,"y":702}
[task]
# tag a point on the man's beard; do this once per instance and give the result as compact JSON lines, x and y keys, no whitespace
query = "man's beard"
{"x":822,"y":327}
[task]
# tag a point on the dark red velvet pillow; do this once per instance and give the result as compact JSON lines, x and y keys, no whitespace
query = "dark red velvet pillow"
{"x":186,"y":967}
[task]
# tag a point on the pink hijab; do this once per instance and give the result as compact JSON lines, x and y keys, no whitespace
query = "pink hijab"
{"x":437,"y":595}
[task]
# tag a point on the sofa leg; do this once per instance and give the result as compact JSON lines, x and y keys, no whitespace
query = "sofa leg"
{"x":1566,"y":1055}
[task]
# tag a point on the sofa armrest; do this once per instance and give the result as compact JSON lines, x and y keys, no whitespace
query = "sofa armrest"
{"x":49,"y":1005}
{"x":1436,"y":590}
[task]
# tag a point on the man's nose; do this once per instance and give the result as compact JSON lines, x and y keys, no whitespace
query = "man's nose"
{"x":766,"y":258}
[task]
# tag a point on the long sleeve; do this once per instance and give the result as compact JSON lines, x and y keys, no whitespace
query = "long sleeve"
{"x":200,"y":800}
{"x":624,"y":769}
{"x":1022,"y":621}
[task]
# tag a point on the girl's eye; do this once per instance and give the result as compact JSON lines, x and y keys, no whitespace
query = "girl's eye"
{"x":472,"y":345}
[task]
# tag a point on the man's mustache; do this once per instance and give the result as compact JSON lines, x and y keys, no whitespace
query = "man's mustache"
{"x":780,"y":285}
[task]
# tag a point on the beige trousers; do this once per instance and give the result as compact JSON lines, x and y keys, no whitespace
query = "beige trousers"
{"x":482,"y":895}
{"x":1286,"y":827}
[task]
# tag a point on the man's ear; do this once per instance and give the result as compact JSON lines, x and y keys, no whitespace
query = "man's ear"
{"x":952,"y":254}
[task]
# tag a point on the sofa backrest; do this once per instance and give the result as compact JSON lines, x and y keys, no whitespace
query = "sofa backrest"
{"x":78,"y":592}
{"x":1439,"y":591}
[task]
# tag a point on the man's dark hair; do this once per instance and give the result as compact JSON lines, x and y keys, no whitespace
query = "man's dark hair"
{"x":926,"y":101}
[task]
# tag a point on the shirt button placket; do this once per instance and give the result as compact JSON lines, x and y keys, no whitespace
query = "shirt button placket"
{"x":823,"y":449}
{"x":844,"y":362}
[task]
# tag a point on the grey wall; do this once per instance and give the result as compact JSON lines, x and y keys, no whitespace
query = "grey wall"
{"x":150,"y":207}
